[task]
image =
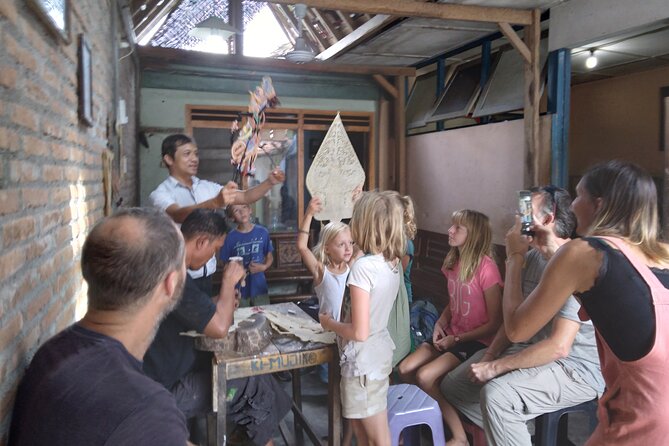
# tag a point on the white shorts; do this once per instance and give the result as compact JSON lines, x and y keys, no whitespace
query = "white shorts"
{"x":362,"y":397}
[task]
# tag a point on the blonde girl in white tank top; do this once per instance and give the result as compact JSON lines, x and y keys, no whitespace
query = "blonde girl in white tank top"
{"x":328,"y":262}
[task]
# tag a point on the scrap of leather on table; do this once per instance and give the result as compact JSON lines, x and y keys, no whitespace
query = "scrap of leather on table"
{"x":305,"y":329}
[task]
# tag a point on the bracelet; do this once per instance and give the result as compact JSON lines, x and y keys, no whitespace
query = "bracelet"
{"x":303,"y":231}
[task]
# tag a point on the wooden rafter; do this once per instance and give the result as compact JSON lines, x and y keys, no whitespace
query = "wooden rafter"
{"x":311,"y":22}
{"x":418,"y":8}
{"x":331,"y":36}
{"x":284,"y":22}
{"x":153,"y":17}
{"x":346,"y":23}
{"x":387,"y":86}
{"x":359,"y":35}
{"x":163,"y":58}
{"x":308,"y":30}
{"x":516,"y":41}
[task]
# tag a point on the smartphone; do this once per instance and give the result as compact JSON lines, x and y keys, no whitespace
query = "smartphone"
{"x":525,"y":211}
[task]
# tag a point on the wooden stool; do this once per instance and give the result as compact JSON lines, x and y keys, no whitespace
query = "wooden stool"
{"x":408,"y":408}
{"x":548,"y":427}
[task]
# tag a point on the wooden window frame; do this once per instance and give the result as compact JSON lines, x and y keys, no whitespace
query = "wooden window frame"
{"x":299,"y":126}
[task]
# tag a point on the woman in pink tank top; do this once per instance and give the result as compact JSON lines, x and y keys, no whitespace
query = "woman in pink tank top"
{"x":620,"y":273}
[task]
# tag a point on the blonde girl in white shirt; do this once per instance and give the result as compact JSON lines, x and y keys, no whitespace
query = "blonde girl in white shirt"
{"x":365,"y":345}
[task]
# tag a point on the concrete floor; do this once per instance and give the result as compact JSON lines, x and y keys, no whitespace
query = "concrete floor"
{"x":314,"y":403}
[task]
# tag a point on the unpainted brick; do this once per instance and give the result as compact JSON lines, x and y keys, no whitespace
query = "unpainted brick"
{"x":50,"y":219}
{"x":63,"y":234}
{"x":10,"y":201}
{"x":51,"y":314}
{"x":36,"y":39}
{"x":76,"y":154}
{"x":8,"y":77}
{"x":35,"y":197}
{"x":71,"y":173}
{"x":23,"y":171}
{"x":19,"y":53}
{"x":59,"y":195}
{"x":50,"y":80}
{"x":46,"y":270}
{"x":35,"y":146}
{"x":24,"y":117}
{"x":26,"y":285}
{"x":11,"y":328}
{"x":36,"y":92}
{"x":7,"y":402}
{"x":8,"y":10}
{"x":60,"y":151}
{"x":36,"y":249}
{"x":10,"y":263}
{"x":17,"y":231}
{"x":51,"y":173}
{"x":9,"y":365}
{"x":37,"y":304}
{"x":13,"y":141}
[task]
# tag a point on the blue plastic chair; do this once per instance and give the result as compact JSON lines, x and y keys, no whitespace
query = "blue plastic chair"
{"x":408,"y":408}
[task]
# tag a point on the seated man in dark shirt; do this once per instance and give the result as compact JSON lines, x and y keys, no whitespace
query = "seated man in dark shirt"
{"x":257,"y":403}
{"x":85,"y":386}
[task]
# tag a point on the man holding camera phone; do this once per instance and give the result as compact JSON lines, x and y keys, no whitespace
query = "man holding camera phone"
{"x":501,"y":388}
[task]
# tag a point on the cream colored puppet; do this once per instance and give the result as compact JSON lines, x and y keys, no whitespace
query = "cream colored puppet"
{"x":336,"y":175}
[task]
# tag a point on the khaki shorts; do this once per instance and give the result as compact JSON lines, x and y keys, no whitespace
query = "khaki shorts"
{"x":362,"y":397}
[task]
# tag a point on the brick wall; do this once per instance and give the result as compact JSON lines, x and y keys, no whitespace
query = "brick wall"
{"x":51,"y":189}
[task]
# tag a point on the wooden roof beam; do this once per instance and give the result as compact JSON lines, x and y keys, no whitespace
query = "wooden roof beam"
{"x":346,"y":23}
{"x":418,"y":8}
{"x":387,"y":86}
{"x":516,"y":41}
{"x":284,"y":22}
{"x":162,"y":58}
{"x":308,"y":31}
{"x":332,"y":37}
{"x":312,"y":23}
{"x":154,"y":17}
{"x":357,"y":36}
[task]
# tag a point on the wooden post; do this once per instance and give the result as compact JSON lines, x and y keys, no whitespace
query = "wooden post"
{"x":532,"y":98}
{"x":383,"y":119}
{"x":400,"y":132}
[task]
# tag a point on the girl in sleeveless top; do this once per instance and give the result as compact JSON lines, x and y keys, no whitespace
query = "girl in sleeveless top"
{"x":620,"y":273}
{"x":328,"y":262}
{"x":365,"y":345}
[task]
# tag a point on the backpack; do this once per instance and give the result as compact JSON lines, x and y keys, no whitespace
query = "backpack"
{"x":399,"y":324}
{"x":423,"y":317}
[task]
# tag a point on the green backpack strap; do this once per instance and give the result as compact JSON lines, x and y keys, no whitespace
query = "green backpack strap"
{"x":399,"y":324}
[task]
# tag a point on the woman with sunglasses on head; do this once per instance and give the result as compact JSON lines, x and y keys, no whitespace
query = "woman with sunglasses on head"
{"x":619,"y":271}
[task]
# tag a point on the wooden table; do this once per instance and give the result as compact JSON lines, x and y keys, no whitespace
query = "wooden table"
{"x":284,"y":353}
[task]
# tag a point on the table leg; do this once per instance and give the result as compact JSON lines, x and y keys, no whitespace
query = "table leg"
{"x":334,"y":400}
{"x":220,"y":397}
{"x":297,"y":398}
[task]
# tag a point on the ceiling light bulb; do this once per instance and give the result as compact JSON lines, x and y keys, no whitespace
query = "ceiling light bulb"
{"x":591,"y":61}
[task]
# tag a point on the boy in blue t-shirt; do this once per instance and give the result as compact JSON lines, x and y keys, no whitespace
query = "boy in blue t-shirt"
{"x":252,"y":243}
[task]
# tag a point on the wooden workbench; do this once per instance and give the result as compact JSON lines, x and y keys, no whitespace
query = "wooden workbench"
{"x":284,"y":353}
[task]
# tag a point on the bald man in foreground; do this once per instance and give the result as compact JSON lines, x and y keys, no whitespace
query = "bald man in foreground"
{"x":85,"y":386}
